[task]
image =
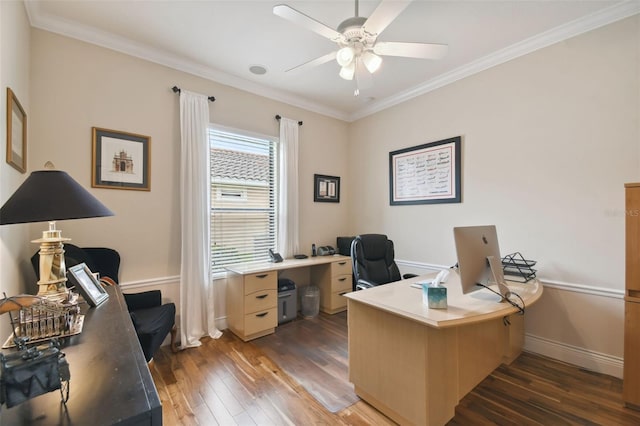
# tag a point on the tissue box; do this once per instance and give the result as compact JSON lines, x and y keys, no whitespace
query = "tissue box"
{"x":435,"y":297}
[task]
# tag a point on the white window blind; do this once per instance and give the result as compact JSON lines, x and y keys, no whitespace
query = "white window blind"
{"x":243,"y":198}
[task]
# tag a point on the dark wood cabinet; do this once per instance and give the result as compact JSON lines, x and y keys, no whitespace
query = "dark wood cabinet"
{"x":110,"y":380}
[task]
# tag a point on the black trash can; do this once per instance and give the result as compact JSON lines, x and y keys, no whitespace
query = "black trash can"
{"x":287,"y":300}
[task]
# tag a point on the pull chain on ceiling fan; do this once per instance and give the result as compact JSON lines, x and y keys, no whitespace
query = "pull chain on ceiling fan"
{"x":359,"y":53}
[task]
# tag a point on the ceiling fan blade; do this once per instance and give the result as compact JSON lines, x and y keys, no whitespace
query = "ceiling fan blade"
{"x":314,"y":62}
{"x":411,"y":50}
{"x":299,"y":18}
{"x":385,"y":13}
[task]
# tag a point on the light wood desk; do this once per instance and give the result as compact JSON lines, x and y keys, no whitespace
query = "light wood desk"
{"x":252,"y":291}
{"x":415,"y":364}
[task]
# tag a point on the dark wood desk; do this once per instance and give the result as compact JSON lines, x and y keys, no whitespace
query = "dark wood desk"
{"x":110,"y":381}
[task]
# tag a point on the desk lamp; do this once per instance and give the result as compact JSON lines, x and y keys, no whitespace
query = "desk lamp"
{"x":50,"y":195}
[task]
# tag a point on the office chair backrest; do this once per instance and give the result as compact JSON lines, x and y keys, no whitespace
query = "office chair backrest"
{"x":373,"y":259}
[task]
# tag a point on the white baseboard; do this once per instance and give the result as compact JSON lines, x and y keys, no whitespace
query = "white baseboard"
{"x":589,"y":360}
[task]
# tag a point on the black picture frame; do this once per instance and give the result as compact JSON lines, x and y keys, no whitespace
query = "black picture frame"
{"x":86,"y":283}
{"x":326,"y":189}
{"x":120,"y":160}
{"x":426,"y":174}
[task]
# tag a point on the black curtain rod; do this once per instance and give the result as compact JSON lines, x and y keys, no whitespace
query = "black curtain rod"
{"x":176,"y":89}
{"x":278,"y":117}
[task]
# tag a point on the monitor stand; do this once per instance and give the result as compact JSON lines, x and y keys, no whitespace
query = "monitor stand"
{"x":498,"y":276}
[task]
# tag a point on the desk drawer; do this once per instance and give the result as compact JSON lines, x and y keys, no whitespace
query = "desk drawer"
{"x":260,"y":321}
{"x":338,"y":301}
{"x":260,"y":281}
{"x":341,"y":283}
{"x":341,"y":267}
{"x":260,"y":300}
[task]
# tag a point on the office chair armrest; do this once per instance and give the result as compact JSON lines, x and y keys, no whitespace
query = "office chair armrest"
{"x":144,"y":300}
{"x":407,"y":276}
{"x":364,"y":284}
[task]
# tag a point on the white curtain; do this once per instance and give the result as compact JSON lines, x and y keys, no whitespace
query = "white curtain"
{"x":197,"y":318}
{"x":288,"y":195}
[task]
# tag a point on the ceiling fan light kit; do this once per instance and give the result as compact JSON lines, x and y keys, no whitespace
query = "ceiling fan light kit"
{"x":357,"y":41}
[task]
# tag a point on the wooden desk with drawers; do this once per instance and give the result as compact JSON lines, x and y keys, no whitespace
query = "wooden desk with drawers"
{"x":252,"y":291}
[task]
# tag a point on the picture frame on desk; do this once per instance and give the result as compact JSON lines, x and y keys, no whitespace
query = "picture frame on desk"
{"x":326,"y":189}
{"x":16,"y":133}
{"x":89,"y":287}
{"x":120,"y":160}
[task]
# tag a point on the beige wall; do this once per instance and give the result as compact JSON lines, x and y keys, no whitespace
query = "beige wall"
{"x":14,"y":73}
{"x":549,"y":139}
{"x":78,"y":85}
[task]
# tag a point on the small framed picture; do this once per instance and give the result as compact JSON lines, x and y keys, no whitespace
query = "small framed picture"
{"x":120,"y":160}
{"x":87,"y":284}
{"x":326,"y":189}
{"x":16,"y":133}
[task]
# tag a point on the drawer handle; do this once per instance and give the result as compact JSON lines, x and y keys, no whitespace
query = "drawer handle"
{"x":262,"y":296}
{"x":262,"y":276}
{"x":262,"y":315}
{"x":342,"y":263}
{"x":342,"y":294}
{"x":341,"y":279}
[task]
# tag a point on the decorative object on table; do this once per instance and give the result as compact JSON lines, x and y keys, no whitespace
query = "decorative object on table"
{"x":50,"y":195}
{"x":426,"y":174}
{"x":517,"y":268}
{"x":87,"y":284}
{"x":32,"y":371}
{"x":40,"y":318}
{"x":16,"y":133}
{"x":120,"y":160}
{"x":152,"y":319}
{"x":326,"y":189}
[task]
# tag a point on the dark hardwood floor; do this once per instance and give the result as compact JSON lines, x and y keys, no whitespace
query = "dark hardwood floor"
{"x":229,"y":382}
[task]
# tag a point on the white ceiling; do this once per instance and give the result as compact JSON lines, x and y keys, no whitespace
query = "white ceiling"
{"x":220,"y":40}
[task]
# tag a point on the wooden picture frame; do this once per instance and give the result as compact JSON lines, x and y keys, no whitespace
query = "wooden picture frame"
{"x":120,"y":160}
{"x":16,"y":133}
{"x":87,"y":284}
{"x":326,"y":189}
{"x":426,"y":174}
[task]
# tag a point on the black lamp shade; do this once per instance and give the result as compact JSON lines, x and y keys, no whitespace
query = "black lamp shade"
{"x":49,"y":195}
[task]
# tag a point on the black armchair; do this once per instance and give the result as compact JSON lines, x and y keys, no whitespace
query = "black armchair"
{"x":372,"y":258}
{"x":151,"y":319}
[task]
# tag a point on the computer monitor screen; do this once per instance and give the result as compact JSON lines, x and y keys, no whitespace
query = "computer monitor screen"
{"x":479,"y":262}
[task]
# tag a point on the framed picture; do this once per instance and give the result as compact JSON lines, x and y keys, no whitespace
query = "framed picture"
{"x":326,"y":189}
{"x":120,"y":160}
{"x":426,"y":174}
{"x":16,"y":133}
{"x":87,"y":284}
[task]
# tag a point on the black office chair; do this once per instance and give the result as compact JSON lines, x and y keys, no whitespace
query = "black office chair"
{"x":372,"y":258}
{"x":151,"y":319}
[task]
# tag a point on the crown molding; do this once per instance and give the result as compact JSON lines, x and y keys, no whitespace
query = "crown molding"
{"x":571,"y":29}
{"x":110,"y":41}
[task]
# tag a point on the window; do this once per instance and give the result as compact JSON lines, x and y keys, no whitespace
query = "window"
{"x":243,"y":197}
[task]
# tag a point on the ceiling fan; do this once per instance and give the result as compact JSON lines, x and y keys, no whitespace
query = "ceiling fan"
{"x":359,"y":53}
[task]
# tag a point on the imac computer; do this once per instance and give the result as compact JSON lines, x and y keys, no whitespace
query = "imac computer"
{"x":479,"y":261}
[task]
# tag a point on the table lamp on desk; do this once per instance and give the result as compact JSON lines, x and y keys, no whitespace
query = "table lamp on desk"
{"x":50,"y":195}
